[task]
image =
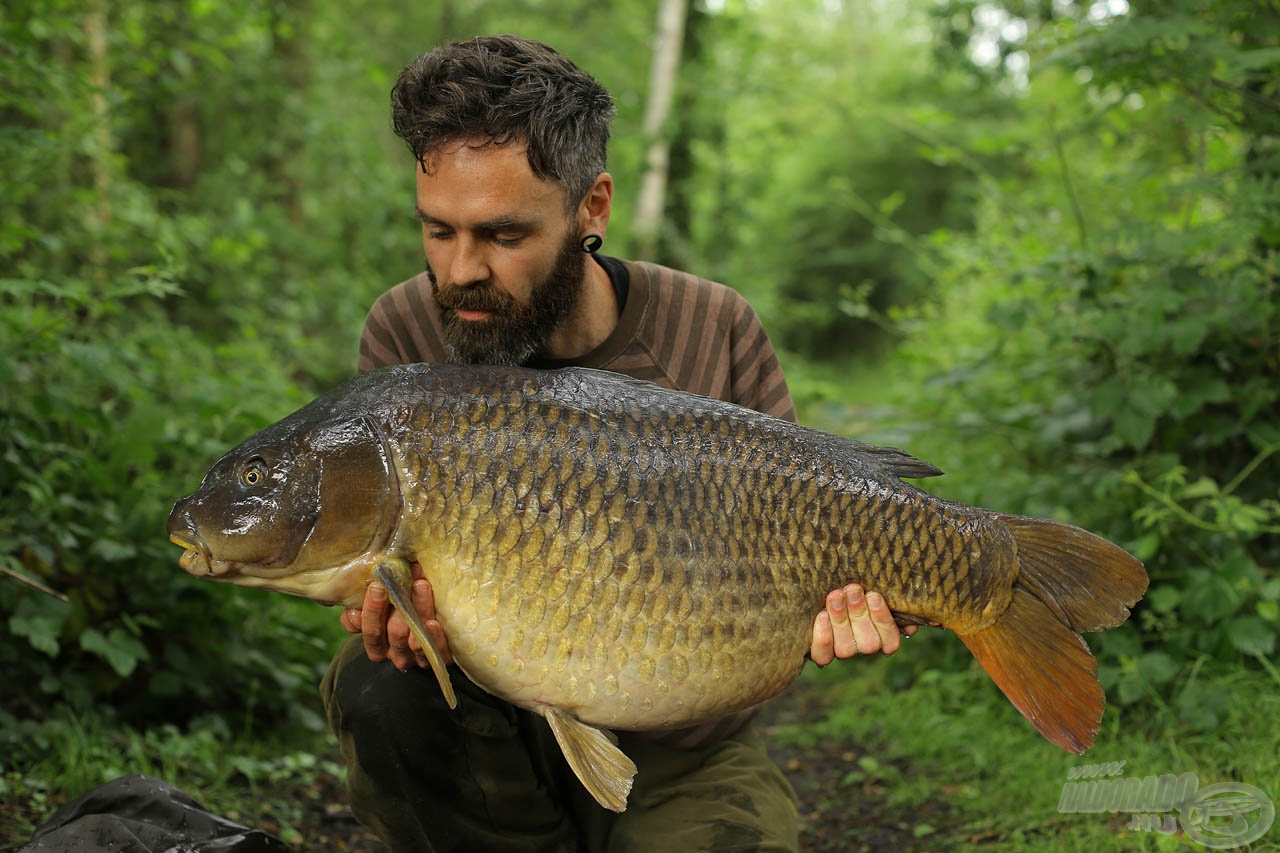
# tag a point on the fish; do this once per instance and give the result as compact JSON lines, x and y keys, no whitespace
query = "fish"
{"x":618,"y":556}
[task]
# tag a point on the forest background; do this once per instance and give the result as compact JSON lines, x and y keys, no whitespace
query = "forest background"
{"x":1034,"y":242}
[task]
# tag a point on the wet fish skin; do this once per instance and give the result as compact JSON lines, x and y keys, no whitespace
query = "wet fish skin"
{"x":613,"y":554}
{"x":651,"y":553}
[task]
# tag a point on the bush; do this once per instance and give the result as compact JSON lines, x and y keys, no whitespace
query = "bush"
{"x":1103,"y":346}
{"x":106,"y":421}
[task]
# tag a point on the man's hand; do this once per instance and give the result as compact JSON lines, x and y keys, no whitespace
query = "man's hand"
{"x":386,"y":633}
{"x":852,"y":624}
{"x":855,"y":624}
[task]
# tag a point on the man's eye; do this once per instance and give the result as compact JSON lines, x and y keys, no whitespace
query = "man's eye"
{"x":439,"y":235}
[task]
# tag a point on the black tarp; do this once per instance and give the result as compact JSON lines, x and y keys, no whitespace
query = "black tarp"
{"x":140,"y":814}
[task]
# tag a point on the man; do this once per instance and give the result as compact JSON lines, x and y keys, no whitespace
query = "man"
{"x":514,"y":200}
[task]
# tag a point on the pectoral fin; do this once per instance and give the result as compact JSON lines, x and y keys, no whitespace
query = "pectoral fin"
{"x":604,"y":770}
{"x":397,"y":577}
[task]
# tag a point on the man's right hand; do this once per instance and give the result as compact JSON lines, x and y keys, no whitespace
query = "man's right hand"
{"x":386,"y":633}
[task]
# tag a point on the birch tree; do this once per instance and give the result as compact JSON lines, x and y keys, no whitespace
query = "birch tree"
{"x":668,"y":41}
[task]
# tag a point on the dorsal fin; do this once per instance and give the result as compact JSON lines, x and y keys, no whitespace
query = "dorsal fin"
{"x":900,"y":463}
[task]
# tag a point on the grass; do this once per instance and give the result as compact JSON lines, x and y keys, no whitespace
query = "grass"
{"x":267,"y":782}
{"x":962,"y":745}
{"x":947,"y":747}
{"x":241,"y":763}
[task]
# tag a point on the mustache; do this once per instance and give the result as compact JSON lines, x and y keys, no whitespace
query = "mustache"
{"x":473,"y":297}
{"x":477,"y":296}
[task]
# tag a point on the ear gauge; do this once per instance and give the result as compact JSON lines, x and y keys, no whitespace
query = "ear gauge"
{"x":592,"y":243}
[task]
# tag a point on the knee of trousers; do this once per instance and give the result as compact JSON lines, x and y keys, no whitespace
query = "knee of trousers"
{"x":377,"y":699}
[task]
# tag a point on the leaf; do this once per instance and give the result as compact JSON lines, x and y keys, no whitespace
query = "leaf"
{"x":1148,"y":546}
{"x":1157,"y":667}
{"x":40,"y":620}
{"x":1164,"y":598}
{"x":121,"y":650}
{"x":1262,"y":57}
{"x":1199,"y":705}
{"x":1133,"y":428}
{"x":1129,"y":691}
{"x":1202,"y":488}
{"x":1207,"y":600}
{"x":114,"y":551}
{"x":1270,"y":590}
{"x":1241,"y":570}
{"x":1252,"y":636}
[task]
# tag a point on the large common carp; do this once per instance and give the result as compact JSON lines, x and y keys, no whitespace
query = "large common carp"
{"x":668,"y":552}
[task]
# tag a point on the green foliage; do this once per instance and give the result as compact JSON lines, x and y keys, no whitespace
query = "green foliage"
{"x":259,"y":781}
{"x":102,"y":428}
{"x":1005,"y":793}
{"x":137,"y":344}
{"x":201,"y":202}
{"x":1102,"y":348}
{"x":826,"y":237}
{"x":1077,"y":267}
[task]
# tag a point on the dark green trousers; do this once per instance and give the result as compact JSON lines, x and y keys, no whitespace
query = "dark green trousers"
{"x":490,"y":777}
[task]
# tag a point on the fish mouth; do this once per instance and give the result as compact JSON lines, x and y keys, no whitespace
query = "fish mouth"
{"x":197,"y":560}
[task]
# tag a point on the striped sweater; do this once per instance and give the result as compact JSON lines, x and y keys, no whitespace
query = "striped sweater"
{"x":676,"y":330}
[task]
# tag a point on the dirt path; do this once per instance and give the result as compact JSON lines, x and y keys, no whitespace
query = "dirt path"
{"x":843,"y":787}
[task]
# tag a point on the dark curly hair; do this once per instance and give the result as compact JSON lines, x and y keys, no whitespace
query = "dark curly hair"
{"x":495,"y":90}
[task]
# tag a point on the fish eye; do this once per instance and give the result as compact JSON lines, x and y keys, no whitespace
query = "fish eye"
{"x":254,"y":474}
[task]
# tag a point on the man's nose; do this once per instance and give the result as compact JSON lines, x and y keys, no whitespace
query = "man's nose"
{"x":469,"y":263}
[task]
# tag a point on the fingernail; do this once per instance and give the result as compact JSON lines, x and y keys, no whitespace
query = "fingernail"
{"x":420,"y":591}
{"x":874,"y":601}
{"x":837,"y":603}
{"x":378,"y":593}
{"x":855,"y":597}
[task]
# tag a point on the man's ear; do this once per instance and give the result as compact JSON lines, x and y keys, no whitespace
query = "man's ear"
{"x":596,"y":206}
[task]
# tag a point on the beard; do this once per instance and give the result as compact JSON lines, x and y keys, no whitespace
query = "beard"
{"x":517,"y":330}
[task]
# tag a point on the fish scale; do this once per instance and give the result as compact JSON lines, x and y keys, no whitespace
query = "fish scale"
{"x":611,"y":554}
{"x":698,"y":538}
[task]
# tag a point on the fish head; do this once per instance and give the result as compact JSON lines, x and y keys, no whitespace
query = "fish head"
{"x":304,"y":507}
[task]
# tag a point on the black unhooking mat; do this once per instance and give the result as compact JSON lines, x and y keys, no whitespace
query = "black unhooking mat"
{"x":139,"y":813}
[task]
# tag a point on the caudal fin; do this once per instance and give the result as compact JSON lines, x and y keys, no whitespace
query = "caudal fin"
{"x":1069,"y":581}
{"x":1086,"y":581}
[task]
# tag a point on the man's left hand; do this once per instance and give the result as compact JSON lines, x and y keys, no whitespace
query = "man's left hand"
{"x":855,"y":623}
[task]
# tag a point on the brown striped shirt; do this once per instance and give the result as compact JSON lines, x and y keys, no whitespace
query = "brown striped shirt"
{"x":676,"y":330}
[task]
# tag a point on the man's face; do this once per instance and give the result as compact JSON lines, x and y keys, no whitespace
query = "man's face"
{"x":502,"y":255}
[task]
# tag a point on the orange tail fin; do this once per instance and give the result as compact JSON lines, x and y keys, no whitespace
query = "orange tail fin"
{"x":1069,"y":580}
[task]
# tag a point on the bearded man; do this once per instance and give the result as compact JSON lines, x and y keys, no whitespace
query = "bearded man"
{"x":509,"y":139}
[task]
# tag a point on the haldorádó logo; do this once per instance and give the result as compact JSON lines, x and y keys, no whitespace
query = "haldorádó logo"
{"x":1228,"y":814}
{"x":1221,"y":816}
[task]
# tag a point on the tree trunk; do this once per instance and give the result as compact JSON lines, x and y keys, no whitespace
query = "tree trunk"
{"x":100,"y":144}
{"x":1260,"y":121}
{"x":284,"y":161}
{"x":662,"y":83}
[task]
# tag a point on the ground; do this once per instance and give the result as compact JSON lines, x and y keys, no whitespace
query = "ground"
{"x":842,"y":785}
{"x":843,"y":789}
